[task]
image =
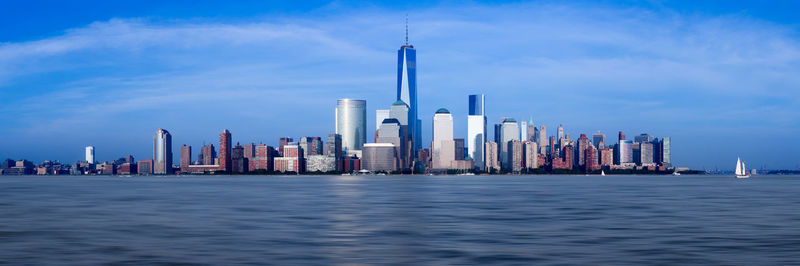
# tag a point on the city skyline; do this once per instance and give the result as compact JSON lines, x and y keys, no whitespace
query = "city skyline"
{"x":63,"y":136}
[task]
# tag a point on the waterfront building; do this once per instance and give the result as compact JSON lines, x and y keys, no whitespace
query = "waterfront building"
{"x":351,"y":124}
{"x":665,"y":152}
{"x":333,"y":148}
{"x":320,"y":163}
{"x":209,"y":154}
{"x":162,"y":152}
{"x":492,"y":154}
{"x":606,"y":157}
{"x":459,"y":148}
{"x":379,"y":157}
{"x":599,"y":140}
{"x":145,"y":167}
{"x":531,"y":156}
{"x":646,"y":153}
{"x":509,"y":132}
{"x":407,"y":89}
{"x":264,"y":158}
{"x":249,"y":151}
{"x":239,"y":164}
{"x":476,"y":129}
{"x":90,"y":154}
{"x":186,"y":157}
{"x":583,"y":144}
{"x":291,"y":161}
{"x":623,"y":152}
{"x":389,"y":132}
{"x":225,"y":148}
{"x":443,"y":146}
{"x":126,"y":169}
{"x":590,"y":159}
{"x":351,"y":164}
{"x":515,"y":153}
{"x":283,"y":142}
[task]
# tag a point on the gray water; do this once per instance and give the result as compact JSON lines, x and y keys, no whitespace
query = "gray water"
{"x":543,"y":220}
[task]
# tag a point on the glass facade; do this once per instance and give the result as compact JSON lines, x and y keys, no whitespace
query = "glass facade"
{"x":351,"y":123}
{"x":407,"y":89}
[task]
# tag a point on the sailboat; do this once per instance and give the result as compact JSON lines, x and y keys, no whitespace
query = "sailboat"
{"x":602,"y":173}
{"x":741,"y":169}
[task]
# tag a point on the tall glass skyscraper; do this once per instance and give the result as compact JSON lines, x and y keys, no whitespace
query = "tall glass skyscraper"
{"x":407,"y":89}
{"x":476,"y":129}
{"x":351,"y":123}
{"x":162,"y":152}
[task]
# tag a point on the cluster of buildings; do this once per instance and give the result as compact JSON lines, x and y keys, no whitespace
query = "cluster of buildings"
{"x":517,"y":147}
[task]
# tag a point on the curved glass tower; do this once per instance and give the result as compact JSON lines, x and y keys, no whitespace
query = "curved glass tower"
{"x":162,"y":152}
{"x":351,"y":123}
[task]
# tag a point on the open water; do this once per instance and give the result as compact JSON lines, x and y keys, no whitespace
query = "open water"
{"x":435,"y":220}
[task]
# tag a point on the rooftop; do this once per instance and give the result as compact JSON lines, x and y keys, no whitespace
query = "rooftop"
{"x":442,"y":111}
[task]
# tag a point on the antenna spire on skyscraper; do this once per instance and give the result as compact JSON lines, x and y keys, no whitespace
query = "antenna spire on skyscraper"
{"x":406,"y":28}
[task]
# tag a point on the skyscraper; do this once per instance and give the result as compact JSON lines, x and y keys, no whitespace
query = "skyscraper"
{"x":508,"y":131}
{"x":186,"y":158}
{"x":399,"y":111}
{"x":532,"y":132}
{"x":333,"y":148}
{"x":599,"y":140}
{"x":583,"y":144}
{"x":523,"y":128}
{"x":560,"y":133}
{"x":476,"y":129}
{"x":543,"y":139}
{"x":351,"y":124}
{"x":380,"y":115}
{"x":162,"y":152}
{"x":225,"y":151}
{"x":491,"y":156}
{"x":443,"y":145}
{"x":90,"y":154}
{"x":407,"y":88}
{"x":666,"y":159}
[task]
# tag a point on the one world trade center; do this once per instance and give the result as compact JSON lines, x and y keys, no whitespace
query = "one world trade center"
{"x":407,"y":89}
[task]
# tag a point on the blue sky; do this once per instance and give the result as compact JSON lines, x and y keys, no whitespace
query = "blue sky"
{"x":720,"y":78}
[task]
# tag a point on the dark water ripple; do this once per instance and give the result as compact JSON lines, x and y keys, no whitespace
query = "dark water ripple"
{"x":508,"y":220}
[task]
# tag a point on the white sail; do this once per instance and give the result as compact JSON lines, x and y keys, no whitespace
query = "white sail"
{"x":744,"y":169}
{"x":738,"y":166}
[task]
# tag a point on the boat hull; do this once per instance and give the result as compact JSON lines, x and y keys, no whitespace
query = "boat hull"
{"x":742,"y":176}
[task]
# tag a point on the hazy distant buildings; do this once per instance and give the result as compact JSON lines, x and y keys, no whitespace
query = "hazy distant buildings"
{"x":351,"y":124}
{"x":476,"y":129}
{"x":162,"y":152}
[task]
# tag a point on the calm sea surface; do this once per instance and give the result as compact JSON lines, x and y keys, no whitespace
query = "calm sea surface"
{"x":614,"y":220}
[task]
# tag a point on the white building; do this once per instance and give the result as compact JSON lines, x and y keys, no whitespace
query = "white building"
{"x":476,"y":130}
{"x":351,"y":123}
{"x":380,"y":115}
{"x":90,"y":154}
{"x":443,"y":146}
{"x":508,"y":131}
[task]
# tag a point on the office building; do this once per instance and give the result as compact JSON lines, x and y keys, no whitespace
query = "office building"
{"x":333,"y":148}
{"x":543,"y":144}
{"x":498,"y":135}
{"x":646,"y":153}
{"x":407,"y":89}
{"x":532,"y":132}
{"x":443,"y":146}
{"x":162,"y":152}
{"x":380,"y":115}
{"x":145,"y":167}
{"x":623,"y":152}
{"x":351,"y":124}
{"x":379,"y":157}
{"x":209,"y":154}
{"x":225,"y":148}
{"x":476,"y":129}
{"x":460,"y":149}
{"x":643,"y":138}
{"x":90,"y":154}
{"x":249,"y":151}
{"x":264,"y":158}
{"x":508,"y":132}
{"x":399,"y":111}
{"x":560,"y":133}
{"x":239,"y":164}
{"x":665,"y":151}
{"x":389,"y":132}
{"x":523,"y":128}
{"x":599,"y":140}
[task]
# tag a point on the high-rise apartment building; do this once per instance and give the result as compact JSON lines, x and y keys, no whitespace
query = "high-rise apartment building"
{"x":583,"y":144}
{"x":543,"y":144}
{"x":264,"y":157}
{"x":186,"y":158}
{"x":225,"y":148}
{"x":351,"y":124}
{"x":515,"y":152}
{"x":443,"y":146}
{"x":476,"y":129}
{"x":209,"y":154}
{"x":162,"y":152}
{"x":531,"y":151}
{"x":492,"y":154}
{"x":666,"y":150}
{"x":292,"y":160}
{"x":283,"y":142}
{"x":90,"y":154}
